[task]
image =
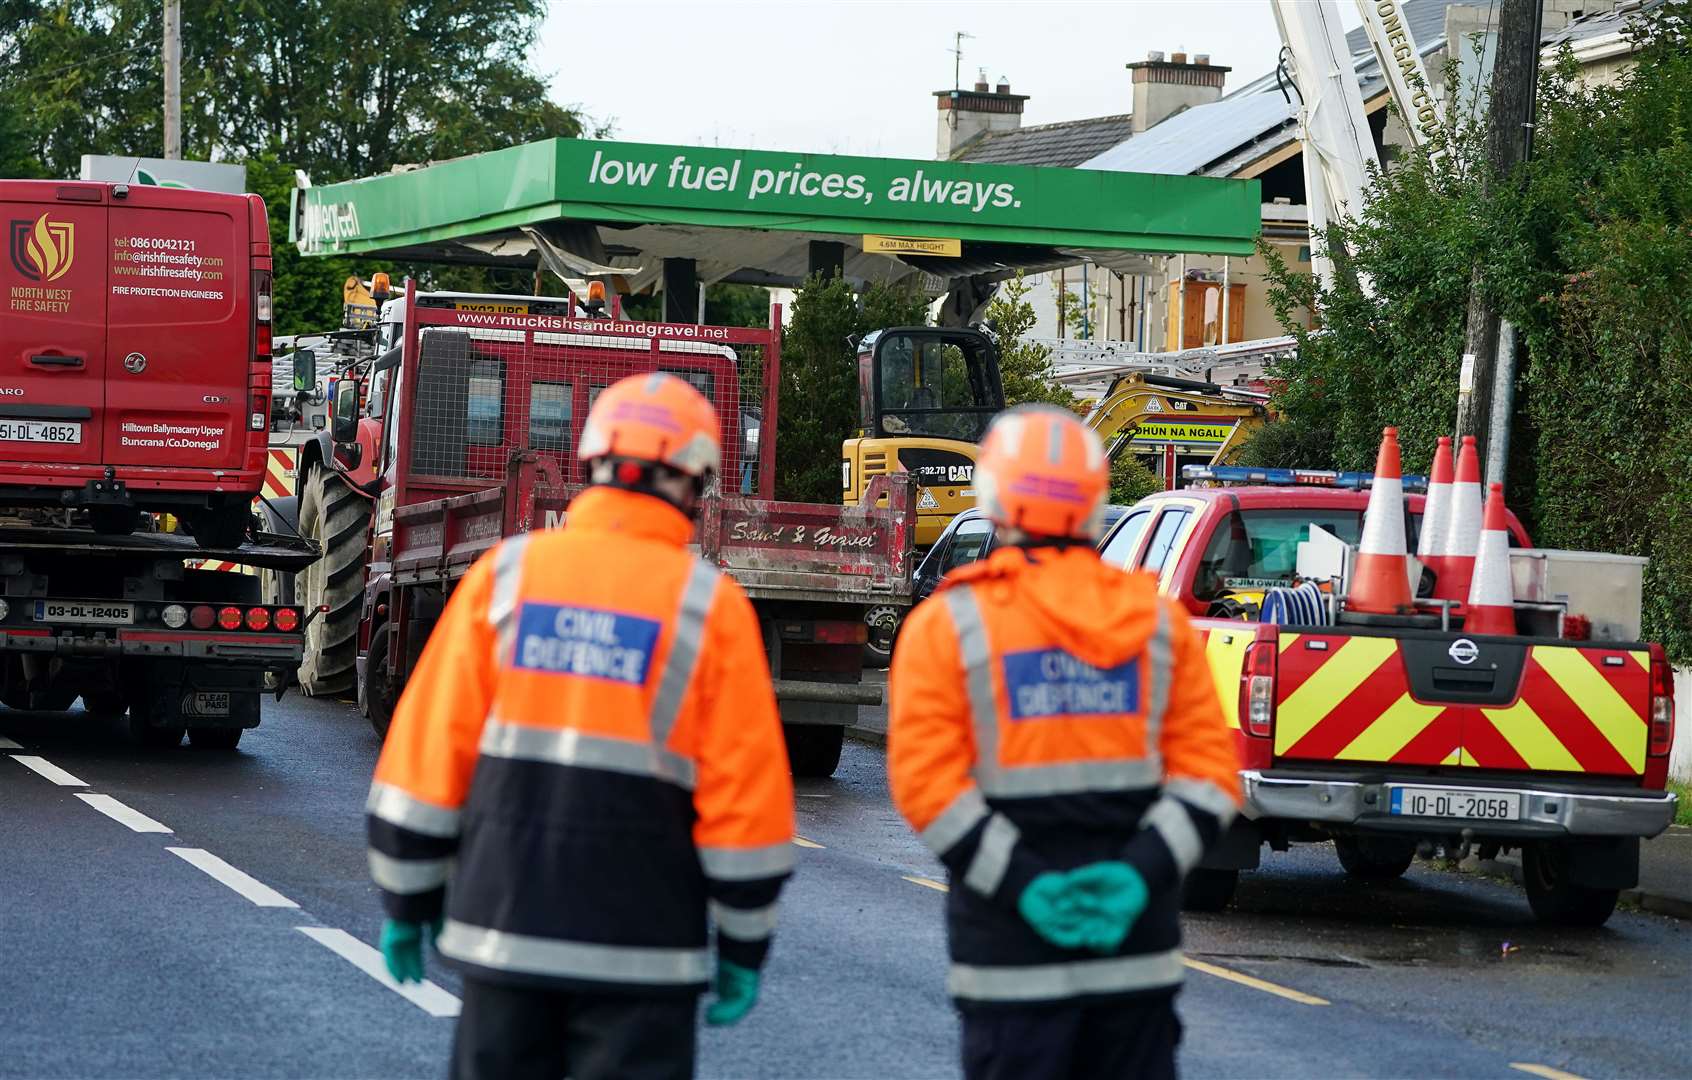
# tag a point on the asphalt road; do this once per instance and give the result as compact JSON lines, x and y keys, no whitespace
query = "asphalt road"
{"x":124,"y":956}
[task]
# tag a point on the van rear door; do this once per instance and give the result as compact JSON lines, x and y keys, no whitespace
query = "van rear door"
{"x":180,"y":324}
{"x":52,"y":322}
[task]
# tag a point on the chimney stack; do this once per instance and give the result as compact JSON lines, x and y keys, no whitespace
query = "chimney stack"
{"x":965,"y":115}
{"x":1163,"y":88}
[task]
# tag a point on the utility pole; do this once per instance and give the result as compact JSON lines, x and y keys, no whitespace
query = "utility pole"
{"x":172,"y":79}
{"x":957,"y":58}
{"x":1515,"y":72}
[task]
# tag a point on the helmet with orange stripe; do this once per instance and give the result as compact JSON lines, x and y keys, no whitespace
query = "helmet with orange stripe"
{"x":654,"y":434}
{"x":1042,"y":473}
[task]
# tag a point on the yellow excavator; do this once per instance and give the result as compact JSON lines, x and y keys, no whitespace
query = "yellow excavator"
{"x":926,"y":395}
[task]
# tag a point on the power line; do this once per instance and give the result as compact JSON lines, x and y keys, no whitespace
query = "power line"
{"x":80,"y":63}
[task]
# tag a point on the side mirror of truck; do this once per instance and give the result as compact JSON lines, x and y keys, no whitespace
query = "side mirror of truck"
{"x":305,"y":371}
{"x":343,"y":425}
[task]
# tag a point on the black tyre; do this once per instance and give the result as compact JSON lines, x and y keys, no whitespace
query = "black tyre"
{"x":337,"y":518}
{"x":104,"y":703}
{"x":220,"y":527}
{"x":1209,"y":890}
{"x":1374,"y":859}
{"x":214,"y":738}
{"x":1554,"y":898}
{"x":813,"y":750}
{"x":378,"y":688}
{"x":144,"y":733}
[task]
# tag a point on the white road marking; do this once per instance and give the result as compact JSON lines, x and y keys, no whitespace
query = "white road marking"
{"x":7,"y":744}
{"x":123,"y":815}
{"x":1255,"y":983}
{"x":239,"y":880}
{"x":425,"y":995}
{"x":48,"y":769}
{"x":800,"y":841}
{"x":1546,"y":1071}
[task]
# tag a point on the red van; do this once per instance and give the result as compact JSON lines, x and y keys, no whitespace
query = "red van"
{"x":134,"y":353}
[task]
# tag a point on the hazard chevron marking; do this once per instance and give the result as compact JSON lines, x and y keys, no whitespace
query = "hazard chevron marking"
{"x":1331,"y":683}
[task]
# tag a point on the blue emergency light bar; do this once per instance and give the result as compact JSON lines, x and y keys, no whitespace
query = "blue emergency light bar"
{"x":1240,"y":474}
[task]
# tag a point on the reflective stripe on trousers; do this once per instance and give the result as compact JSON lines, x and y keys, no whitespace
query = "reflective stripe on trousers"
{"x":530,"y":955}
{"x":1063,"y":778}
{"x":1073,"y":978}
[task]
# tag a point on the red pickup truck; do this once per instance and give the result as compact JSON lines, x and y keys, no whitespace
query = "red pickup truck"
{"x":1389,"y":739}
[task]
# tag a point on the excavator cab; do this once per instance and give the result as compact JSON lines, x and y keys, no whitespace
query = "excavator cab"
{"x":926,"y":395}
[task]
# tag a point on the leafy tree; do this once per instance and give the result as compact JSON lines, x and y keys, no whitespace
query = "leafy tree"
{"x":1131,"y":481}
{"x":1025,"y":367}
{"x":1588,"y":250}
{"x":819,"y":378}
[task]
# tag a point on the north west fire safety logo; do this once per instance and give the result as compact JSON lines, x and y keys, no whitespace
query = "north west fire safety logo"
{"x":43,"y":250}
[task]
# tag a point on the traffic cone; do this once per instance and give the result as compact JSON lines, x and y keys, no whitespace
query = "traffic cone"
{"x":1491,"y":608}
{"x":1436,"y":512}
{"x":1463,"y":528}
{"x":1380,"y":582}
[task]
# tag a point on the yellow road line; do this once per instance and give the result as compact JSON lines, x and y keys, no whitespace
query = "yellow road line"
{"x":1255,"y":983}
{"x":1543,"y":1070}
{"x":800,"y":841}
{"x":925,"y":883}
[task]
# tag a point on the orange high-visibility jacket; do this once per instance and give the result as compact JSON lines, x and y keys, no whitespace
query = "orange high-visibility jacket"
{"x":587,"y":755}
{"x":1049,"y":711}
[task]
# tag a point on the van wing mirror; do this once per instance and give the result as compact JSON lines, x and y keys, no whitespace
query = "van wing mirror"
{"x":387,"y":361}
{"x":305,"y":371}
{"x":343,"y":421}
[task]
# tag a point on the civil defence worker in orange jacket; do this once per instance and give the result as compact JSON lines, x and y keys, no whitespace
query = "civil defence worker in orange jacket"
{"x":1055,"y":738}
{"x":586,"y":759}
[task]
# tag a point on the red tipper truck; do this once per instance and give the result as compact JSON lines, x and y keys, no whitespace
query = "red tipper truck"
{"x":469,"y":424}
{"x":1386,"y":738}
{"x":135,"y":378}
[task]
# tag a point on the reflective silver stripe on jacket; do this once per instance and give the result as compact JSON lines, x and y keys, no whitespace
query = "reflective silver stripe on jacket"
{"x":1070,"y":777}
{"x":507,"y":589}
{"x":1204,"y":795}
{"x":955,"y":821}
{"x":398,"y":807}
{"x":408,"y":877}
{"x":744,"y":924}
{"x":992,"y":856}
{"x":686,"y":635}
{"x":573,"y":959}
{"x":1179,"y":834}
{"x":569,"y":746}
{"x":1160,"y":660}
{"x":978,"y":669}
{"x":1055,"y":982}
{"x":747,"y":864}
{"x":1061,"y":778}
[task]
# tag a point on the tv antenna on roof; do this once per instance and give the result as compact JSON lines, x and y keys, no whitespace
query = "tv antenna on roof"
{"x":957,"y":58}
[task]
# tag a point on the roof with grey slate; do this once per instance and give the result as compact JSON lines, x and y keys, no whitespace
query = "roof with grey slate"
{"x":1065,"y":144}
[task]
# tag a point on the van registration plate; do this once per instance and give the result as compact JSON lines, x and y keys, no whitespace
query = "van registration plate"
{"x":1462,"y":803}
{"x":83,"y":612}
{"x":40,"y":431}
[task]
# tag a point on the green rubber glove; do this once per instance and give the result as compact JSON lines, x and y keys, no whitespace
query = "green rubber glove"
{"x":402,"y":947}
{"x":1049,"y":905}
{"x":1114,"y":895}
{"x":737,"y":992}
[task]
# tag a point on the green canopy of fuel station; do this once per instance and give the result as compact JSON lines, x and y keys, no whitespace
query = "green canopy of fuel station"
{"x":590,"y":207}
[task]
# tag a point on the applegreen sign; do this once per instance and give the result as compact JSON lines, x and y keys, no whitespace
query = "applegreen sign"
{"x":643,"y":183}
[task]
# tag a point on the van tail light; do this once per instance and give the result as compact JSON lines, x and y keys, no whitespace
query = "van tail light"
{"x":1662,"y":704}
{"x":262,"y":313}
{"x":287,"y":620}
{"x":229,"y":618}
{"x":1257,"y":683}
{"x":258,"y":618}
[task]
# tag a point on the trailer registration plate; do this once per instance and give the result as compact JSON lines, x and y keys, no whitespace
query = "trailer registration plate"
{"x":1464,"y":803}
{"x":41,"y":431}
{"x":86,"y":613}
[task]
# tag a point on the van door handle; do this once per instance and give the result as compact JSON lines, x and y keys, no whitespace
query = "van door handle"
{"x":55,"y":360}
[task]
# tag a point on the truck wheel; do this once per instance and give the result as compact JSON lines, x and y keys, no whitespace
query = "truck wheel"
{"x":378,"y":689}
{"x":883,"y":632}
{"x":1374,"y":859}
{"x":1554,"y":898}
{"x":143,"y":732}
{"x":813,"y":750}
{"x":214,"y":738}
{"x":1209,"y":890}
{"x":220,"y":527}
{"x":337,"y":518}
{"x":104,"y":702}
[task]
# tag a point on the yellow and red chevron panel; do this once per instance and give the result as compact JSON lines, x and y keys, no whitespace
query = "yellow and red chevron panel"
{"x":1348,"y":698}
{"x":279,"y":472}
